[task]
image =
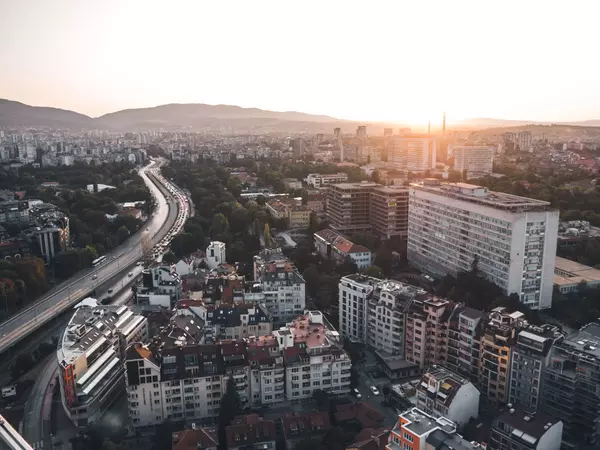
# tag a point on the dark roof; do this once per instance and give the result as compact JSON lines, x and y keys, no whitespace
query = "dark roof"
{"x":195,"y":439}
{"x":440,"y":440}
{"x":249,"y":429}
{"x":363,"y":412}
{"x":472,"y":313}
{"x":207,"y":358}
{"x":296,"y":425}
{"x":231,"y":315}
{"x":371,"y":439}
{"x":234,"y":353}
{"x":531,"y":424}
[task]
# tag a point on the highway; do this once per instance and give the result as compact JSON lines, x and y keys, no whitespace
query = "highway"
{"x":36,"y":417}
{"x":69,"y":293}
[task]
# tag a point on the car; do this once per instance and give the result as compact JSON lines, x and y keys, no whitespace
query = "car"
{"x":110,"y":291}
{"x":356,"y":393}
{"x":374,"y":390}
{"x":94,"y":277}
{"x":130,"y":274}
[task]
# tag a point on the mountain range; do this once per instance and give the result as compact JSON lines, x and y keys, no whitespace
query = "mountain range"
{"x":198,"y":116}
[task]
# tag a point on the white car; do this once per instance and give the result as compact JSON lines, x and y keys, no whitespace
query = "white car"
{"x":374,"y":390}
{"x":356,"y":393}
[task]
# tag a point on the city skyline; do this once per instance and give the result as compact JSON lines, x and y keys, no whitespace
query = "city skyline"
{"x":388,"y":62}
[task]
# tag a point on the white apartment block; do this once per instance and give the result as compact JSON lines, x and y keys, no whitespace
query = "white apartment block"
{"x":414,"y":152}
{"x":318,"y":180}
{"x":354,"y":291}
{"x":91,"y":355}
{"x":215,"y":254}
{"x":512,"y":239}
{"x":475,"y":159}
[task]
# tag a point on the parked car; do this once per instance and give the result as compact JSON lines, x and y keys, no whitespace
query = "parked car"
{"x":356,"y":393}
{"x":374,"y":390}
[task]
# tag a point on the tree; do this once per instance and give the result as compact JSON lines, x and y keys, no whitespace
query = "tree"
{"x":384,"y":259}
{"x":169,"y":258}
{"x":220,"y":226}
{"x":375,"y":272}
{"x":182,"y":245}
{"x":122,"y":234}
{"x":230,"y":407}
{"x":321,"y":398}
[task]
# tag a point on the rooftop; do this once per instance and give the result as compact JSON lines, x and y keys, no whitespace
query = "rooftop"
{"x":568,"y":272}
{"x":420,"y":423}
{"x":526,"y":426}
{"x":586,"y":340}
{"x":195,"y":439}
{"x":362,"y":412}
{"x":296,"y":425}
{"x":249,"y":429}
{"x":442,"y":383}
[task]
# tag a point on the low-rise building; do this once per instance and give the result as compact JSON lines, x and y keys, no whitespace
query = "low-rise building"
{"x":236,"y":321}
{"x":330,"y":244}
{"x":414,"y":427}
{"x":442,"y":393}
{"x":298,"y":216}
{"x":250,"y":432}
{"x":160,"y":287}
{"x":317,"y":180}
{"x":517,"y":429}
{"x":370,"y":439}
{"x":295,"y":427}
{"x":91,"y":355}
{"x":316,"y":201}
{"x":215,"y":254}
{"x":292,"y":183}
{"x":570,"y":275}
{"x":196,"y":439}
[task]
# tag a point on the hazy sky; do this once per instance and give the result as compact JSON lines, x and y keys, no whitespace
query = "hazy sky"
{"x":367,"y":60}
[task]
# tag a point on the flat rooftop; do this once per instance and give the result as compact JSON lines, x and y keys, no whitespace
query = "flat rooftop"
{"x":568,"y":272}
{"x":481,"y":195}
{"x":420,"y":423}
{"x":357,"y":186}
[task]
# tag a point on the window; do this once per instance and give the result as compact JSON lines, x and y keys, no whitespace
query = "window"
{"x":408,"y":437}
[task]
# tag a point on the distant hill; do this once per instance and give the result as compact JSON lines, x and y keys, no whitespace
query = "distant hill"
{"x":14,"y":114}
{"x":483,"y":122}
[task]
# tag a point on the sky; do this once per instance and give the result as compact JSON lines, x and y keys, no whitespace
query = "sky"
{"x":396,"y":60}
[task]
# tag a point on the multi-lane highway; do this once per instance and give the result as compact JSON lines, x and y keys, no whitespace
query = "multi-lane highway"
{"x":159,"y":227}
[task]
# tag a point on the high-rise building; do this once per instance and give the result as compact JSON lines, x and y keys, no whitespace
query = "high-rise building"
{"x":463,"y":345}
{"x":354,"y":292}
{"x":475,"y":159}
{"x":571,"y":387}
{"x":413,"y":152}
{"x":387,"y":132}
{"x":530,"y":358}
{"x":365,"y":206}
{"x":91,"y":355}
{"x":361,"y":132}
{"x":511,"y":239}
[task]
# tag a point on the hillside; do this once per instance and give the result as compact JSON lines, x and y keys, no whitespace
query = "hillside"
{"x":15,"y":114}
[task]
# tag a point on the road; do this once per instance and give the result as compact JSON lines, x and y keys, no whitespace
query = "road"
{"x":36,"y":417}
{"x":64,"y":296}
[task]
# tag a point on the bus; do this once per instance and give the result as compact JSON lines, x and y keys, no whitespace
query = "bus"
{"x":98,"y":261}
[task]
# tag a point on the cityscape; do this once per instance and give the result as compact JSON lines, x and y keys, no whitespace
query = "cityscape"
{"x":375,"y":257}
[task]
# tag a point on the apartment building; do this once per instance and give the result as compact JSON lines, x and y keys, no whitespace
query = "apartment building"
{"x":497,"y":344}
{"x":464,"y":339}
{"x":475,"y":159}
{"x":512,"y":239}
{"x":530,"y":359}
{"x":518,"y":429}
{"x":365,"y":206}
{"x":267,"y":370}
{"x":414,"y":427}
{"x":234,"y":321}
{"x":215,"y":254}
{"x":414,"y":152}
{"x":283,"y":287}
{"x":90,"y":358}
{"x":316,"y":201}
{"x":354,"y":291}
{"x":295,"y":427}
{"x":443,"y":393}
{"x":427,"y":330}
{"x":160,"y":287}
{"x":196,"y":439}
{"x":571,"y":387}
{"x":386,"y":315}
{"x":14,"y":212}
{"x":318,"y":180}
{"x":332,"y":245}
{"x":298,"y":216}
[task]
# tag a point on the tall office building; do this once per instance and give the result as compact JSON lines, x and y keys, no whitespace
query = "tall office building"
{"x":512,"y":239}
{"x":476,"y":159}
{"x":413,"y":152}
{"x":356,"y":207}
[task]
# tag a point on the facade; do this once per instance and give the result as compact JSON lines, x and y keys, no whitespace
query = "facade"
{"x":413,"y":152}
{"x":316,"y":201}
{"x":443,"y":393}
{"x":512,"y":239}
{"x":413,"y":428}
{"x":282,"y":285}
{"x":356,"y":207}
{"x":90,"y":358}
{"x":571,"y":387}
{"x":160,"y":287}
{"x":317,"y":180}
{"x":516,"y":429}
{"x":14,"y":212}
{"x":530,"y":359}
{"x":475,"y":159}
{"x":465,"y":327}
{"x":215,"y":254}
{"x":332,"y":245}
{"x":298,"y":217}
{"x":354,"y":292}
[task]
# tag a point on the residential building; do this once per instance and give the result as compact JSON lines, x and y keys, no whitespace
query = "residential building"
{"x":236,"y":321}
{"x":371,"y":439}
{"x":441,"y":440}
{"x":427,"y":330}
{"x":296,"y":427}
{"x":196,"y":439}
{"x":316,"y":201}
{"x":348,"y":206}
{"x":215,"y":254}
{"x":464,"y":339}
{"x":497,"y":343}
{"x":518,"y":429}
{"x":90,"y":358}
{"x":298,"y":216}
{"x":570,"y":387}
{"x":160,"y":286}
{"x":388,"y":212}
{"x":361,"y":414}
{"x":14,"y":212}
{"x":277,"y":209}
{"x":292,"y":183}
{"x":332,"y":245}
{"x":414,"y":427}
{"x":317,"y":180}
{"x":267,"y":370}
{"x":250,"y":432}
{"x":475,"y":159}
{"x":443,"y":393}
{"x":413,"y":152}
{"x":354,"y":292}
{"x":283,"y":287}
{"x":511,"y":239}
{"x":570,"y":275}
{"x":530,"y":359}
{"x":386,"y":314}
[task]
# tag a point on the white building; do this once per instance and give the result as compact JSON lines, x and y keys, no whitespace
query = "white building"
{"x":331,"y":244}
{"x":90,"y":358}
{"x":443,"y":393}
{"x":512,"y":239}
{"x":475,"y":159}
{"x":414,"y":152}
{"x":354,"y":292}
{"x":318,"y":180}
{"x":215,"y":254}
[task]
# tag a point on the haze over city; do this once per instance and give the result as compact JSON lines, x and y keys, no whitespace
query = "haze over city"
{"x":381,"y":61}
